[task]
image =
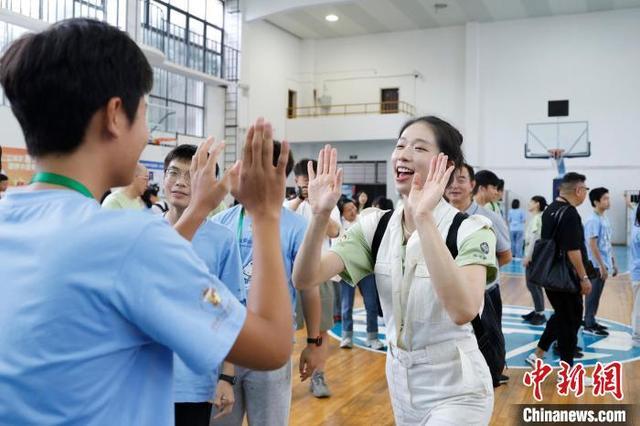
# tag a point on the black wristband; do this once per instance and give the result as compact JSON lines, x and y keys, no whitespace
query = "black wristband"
{"x":229,"y":379}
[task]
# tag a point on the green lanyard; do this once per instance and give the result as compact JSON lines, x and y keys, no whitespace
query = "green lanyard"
{"x":60,"y":180}
{"x":240,"y":224}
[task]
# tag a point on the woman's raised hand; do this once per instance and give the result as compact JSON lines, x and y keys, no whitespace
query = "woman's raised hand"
{"x":325,"y":186}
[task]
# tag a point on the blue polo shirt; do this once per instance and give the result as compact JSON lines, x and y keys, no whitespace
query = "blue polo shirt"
{"x":598,"y":226}
{"x":292,"y":229}
{"x":93,"y":303}
{"x":216,"y":245}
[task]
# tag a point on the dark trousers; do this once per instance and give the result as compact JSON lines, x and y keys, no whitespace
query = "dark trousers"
{"x":563,"y":325}
{"x":496,"y":300}
{"x":192,"y":413}
{"x":593,"y":301}
{"x":537,"y":295}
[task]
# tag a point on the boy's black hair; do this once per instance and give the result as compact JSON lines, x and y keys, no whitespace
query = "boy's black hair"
{"x":596,"y":194}
{"x":485,"y":178}
{"x":300,"y":169}
{"x":183,"y":152}
{"x":56,"y":80}
{"x":500,"y":186}
{"x":515,"y":204}
{"x":3,"y":177}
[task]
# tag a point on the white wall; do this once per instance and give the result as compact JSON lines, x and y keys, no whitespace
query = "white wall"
{"x":489,"y":80}
{"x":270,"y":62}
{"x":592,"y":60}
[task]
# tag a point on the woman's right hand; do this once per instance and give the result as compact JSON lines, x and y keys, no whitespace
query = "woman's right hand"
{"x":325,"y":187}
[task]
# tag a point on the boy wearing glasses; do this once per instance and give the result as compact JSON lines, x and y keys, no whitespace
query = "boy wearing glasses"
{"x":215,"y":245}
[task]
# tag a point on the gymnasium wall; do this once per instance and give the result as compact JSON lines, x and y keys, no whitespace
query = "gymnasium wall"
{"x":490,"y":80}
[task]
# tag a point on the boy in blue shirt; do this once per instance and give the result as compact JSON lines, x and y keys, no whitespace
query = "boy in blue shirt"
{"x":597,"y":235}
{"x":216,"y":246}
{"x":93,"y":303}
{"x":265,"y":396}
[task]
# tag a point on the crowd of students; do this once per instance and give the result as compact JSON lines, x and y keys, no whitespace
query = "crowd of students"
{"x":114,"y":315}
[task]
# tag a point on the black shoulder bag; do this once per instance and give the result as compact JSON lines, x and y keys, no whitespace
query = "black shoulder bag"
{"x":549,"y":267}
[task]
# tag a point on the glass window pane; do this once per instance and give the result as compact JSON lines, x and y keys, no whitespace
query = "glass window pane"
{"x":195,"y":92}
{"x":178,"y":118}
{"x":195,"y":121}
{"x":215,"y":12}
{"x":197,"y":8}
{"x":177,"y":87}
{"x":180,"y":4}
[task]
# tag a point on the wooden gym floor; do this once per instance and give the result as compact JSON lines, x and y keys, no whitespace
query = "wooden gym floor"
{"x":357,"y":378}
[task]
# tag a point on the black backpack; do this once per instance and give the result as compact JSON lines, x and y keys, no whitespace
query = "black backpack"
{"x":488,"y":333}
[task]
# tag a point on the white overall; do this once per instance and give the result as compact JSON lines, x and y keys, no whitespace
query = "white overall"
{"x":435,"y":371}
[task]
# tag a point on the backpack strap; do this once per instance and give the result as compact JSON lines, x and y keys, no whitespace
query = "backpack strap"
{"x":452,"y":235}
{"x":452,"y":245}
{"x":377,"y":237}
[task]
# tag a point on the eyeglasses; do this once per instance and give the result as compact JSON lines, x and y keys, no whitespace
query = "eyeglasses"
{"x":173,"y":174}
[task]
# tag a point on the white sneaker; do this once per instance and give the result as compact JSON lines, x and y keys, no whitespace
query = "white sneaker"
{"x":346,"y":343}
{"x":531,"y":360}
{"x":375,"y":344}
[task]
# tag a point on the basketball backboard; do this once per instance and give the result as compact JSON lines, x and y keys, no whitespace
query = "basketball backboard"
{"x":570,"y":137}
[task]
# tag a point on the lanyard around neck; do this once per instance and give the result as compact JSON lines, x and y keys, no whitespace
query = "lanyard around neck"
{"x":60,"y":180}
{"x":240,"y":224}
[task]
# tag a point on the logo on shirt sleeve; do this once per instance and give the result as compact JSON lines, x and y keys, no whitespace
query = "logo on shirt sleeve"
{"x":210,"y":295}
{"x":484,"y":247}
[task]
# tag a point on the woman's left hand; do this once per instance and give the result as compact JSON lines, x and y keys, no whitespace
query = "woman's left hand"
{"x":425,"y":195}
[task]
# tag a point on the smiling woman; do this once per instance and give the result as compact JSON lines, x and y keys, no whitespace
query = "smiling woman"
{"x":440,"y":292}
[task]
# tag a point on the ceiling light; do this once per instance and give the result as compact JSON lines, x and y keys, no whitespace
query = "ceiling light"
{"x":331,"y":18}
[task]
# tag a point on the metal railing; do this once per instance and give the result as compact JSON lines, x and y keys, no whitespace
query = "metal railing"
{"x":387,"y":107}
{"x":56,"y":10}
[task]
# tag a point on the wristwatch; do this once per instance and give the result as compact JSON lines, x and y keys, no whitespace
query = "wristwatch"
{"x":586,"y":278}
{"x":229,"y":379}
{"x":316,"y":340}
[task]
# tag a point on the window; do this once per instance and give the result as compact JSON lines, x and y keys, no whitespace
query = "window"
{"x":176,"y":104}
{"x":189,"y":32}
{"x":364,"y":172}
{"x":389,"y":101}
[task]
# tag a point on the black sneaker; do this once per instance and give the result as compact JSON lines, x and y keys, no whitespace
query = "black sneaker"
{"x":577,"y":354}
{"x":595,"y":331}
{"x":503,"y":380}
{"x":528,"y":316}
{"x":601,"y":326}
{"x":538,"y":319}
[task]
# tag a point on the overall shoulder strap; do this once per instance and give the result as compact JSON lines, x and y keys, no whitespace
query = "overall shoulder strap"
{"x":380,"y":230}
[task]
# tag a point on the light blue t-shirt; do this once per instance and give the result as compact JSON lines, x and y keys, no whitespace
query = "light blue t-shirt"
{"x":292,"y":229}
{"x":216,"y":245}
{"x":93,"y":303}
{"x":517,"y":219}
{"x":635,"y":252}
{"x":598,"y":226}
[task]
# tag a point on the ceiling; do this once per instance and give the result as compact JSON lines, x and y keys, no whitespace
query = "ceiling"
{"x":359,"y":17}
